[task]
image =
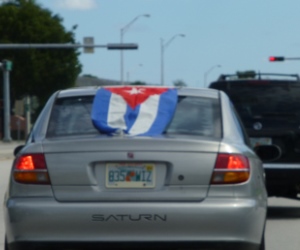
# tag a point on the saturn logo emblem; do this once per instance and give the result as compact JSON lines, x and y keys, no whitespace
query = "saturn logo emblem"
{"x":130,"y":155}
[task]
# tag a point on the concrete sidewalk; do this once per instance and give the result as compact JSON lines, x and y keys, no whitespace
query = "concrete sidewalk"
{"x":7,"y":149}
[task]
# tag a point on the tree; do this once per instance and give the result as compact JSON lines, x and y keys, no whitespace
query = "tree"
{"x":89,"y":76}
{"x":179,"y":83}
{"x":36,"y":72}
{"x":138,"y":83}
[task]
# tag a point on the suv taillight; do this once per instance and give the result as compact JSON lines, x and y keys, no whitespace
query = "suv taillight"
{"x":230,"y":169}
{"x":31,"y":169}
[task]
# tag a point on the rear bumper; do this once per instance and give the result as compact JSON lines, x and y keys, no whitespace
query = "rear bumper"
{"x":132,"y":245}
{"x":282,"y":179}
{"x":214,"y":222}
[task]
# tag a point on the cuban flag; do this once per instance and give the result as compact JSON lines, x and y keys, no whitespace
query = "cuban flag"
{"x":136,"y":110}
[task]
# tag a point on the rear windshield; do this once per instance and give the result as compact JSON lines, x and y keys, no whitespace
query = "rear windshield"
{"x":193,"y":115}
{"x":71,"y":116}
{"x":198,"y":116}
{"x":263,"y":98}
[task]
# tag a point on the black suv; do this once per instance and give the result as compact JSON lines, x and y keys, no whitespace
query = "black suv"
{"x":269,"y":107}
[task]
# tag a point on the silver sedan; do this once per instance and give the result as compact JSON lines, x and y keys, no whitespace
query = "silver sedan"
{"x":111,"y":168}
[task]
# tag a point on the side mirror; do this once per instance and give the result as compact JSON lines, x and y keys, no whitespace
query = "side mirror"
{"x":268,"y":153}
{"x":18,"y":149}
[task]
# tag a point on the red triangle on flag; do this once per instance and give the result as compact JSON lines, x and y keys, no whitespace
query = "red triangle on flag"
{"x":136,"y":95}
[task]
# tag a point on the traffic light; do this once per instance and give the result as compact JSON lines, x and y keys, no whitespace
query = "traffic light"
{"x":276,"y":58}
{"x":6,"y":65}
{"x":122,"y":46}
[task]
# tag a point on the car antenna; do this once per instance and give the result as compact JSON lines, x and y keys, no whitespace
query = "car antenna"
{"x":259,"y":75}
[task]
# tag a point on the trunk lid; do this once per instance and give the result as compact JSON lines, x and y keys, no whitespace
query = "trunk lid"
{"x":180,"y":168}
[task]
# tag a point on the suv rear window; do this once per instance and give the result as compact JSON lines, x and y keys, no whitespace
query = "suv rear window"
{"x":194,"y":116}
{"x":262,"y":98}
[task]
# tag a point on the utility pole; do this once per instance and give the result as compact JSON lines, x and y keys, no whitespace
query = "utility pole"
{"x":6,"y":66}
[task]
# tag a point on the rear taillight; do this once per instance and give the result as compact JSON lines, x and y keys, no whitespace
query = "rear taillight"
{"x":31,"y":169}
{"x":231,"y":169}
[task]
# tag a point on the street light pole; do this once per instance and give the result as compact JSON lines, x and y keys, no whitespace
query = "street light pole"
{"x":163,"y":47}
{"x":122,"y":32}
{"x":208,"y":71}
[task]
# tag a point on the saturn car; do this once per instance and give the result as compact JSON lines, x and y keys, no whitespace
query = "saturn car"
{"x":137,"y":167}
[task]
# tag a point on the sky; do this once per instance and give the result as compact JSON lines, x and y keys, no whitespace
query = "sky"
{"x":220,"y":37}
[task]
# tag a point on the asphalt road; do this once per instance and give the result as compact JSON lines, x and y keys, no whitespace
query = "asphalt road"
{"x":6,"y":156}
{"x":282,"y":232}
{"x":282,"y":229}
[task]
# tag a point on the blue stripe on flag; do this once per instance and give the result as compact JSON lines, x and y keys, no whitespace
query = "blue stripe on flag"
{"x":100,"y":111}
{"x":166,"y":109}
{"x":130,"y":117}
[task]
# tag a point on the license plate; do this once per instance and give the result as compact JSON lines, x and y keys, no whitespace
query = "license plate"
{"x":130,"y":175}
{"x":257,"y":141}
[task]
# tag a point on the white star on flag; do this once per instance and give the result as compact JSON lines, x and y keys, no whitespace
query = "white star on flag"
{"x":135,"y":91}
